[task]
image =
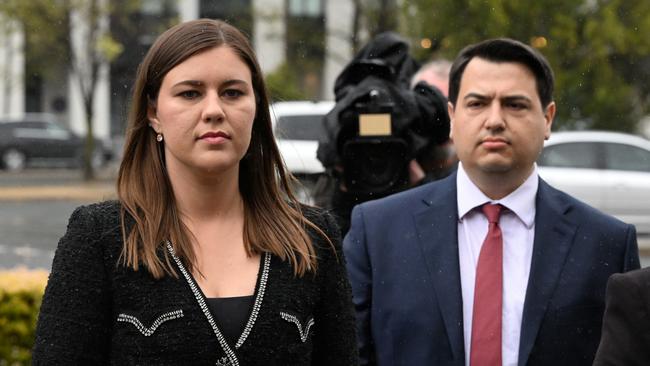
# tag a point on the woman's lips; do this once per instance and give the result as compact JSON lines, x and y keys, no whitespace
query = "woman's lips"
{"x":215,"y":137}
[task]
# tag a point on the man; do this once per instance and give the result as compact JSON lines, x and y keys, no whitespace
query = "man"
{"x":439,"y":159}
{"x":434,"y":73}
{"x":490,"y":266}
{"x":626,"y":326}
{"x":377,"y":126}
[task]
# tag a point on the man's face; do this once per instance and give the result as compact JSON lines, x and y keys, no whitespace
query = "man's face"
{"x":498,"y":125}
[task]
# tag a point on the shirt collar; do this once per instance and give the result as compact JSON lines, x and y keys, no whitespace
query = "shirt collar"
{"x":521,"y":201}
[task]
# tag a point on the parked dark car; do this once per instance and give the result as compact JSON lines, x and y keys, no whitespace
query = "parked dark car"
{"x":44,"y":143}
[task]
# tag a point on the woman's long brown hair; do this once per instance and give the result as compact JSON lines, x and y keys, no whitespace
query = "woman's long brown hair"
{"x":273,"y":221}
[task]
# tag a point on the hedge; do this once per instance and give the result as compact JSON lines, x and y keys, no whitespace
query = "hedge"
{"x":21,"y":292}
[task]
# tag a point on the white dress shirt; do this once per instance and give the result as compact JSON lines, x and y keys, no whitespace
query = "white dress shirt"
{"x":517,"y":225}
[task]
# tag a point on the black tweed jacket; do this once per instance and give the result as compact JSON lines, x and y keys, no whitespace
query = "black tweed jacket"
{"x":96,"y":312}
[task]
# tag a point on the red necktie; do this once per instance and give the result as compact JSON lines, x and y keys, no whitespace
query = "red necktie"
{"x":488,"y":295}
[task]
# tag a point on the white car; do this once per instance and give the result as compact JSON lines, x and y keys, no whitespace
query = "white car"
{"x":297,"y":127}
{"x":607,"y":170}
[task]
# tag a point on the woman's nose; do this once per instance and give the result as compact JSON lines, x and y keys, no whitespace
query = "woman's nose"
{"x":212,"y":109}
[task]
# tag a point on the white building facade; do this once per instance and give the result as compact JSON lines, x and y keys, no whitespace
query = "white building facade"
{"x":63,"y":97}
{"x":12,"y":70}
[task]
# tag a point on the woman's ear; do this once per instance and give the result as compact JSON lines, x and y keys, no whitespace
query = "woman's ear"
{"x":152,"y":116}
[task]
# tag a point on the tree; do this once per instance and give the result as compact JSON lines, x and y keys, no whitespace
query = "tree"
{"x":40,"y":23}
{"x":45,"y":31}
{"x":51,"y":46}
{"x":283,"y":84}
{"x":94,"y":49}
{"x":373,"y":17}
{"x":599,"y":50}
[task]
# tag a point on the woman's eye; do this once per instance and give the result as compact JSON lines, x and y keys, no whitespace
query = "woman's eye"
{"x":232,"y":93}
{"x":189,"y":94}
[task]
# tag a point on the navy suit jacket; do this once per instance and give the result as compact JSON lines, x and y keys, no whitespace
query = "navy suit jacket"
{"x":402,"y":259}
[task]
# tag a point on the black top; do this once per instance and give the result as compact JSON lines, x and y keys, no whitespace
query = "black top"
{"x":231,"y":314}
{"x":97,"y":312}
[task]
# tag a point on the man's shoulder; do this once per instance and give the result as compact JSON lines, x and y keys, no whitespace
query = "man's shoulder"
{"x":412,"y":198}
{"x":577,"y":209}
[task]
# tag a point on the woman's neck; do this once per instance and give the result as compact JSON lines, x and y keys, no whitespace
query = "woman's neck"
{"x":207,"y":196}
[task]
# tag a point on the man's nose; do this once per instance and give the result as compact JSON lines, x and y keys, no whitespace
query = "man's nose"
{"x":495,"y":117}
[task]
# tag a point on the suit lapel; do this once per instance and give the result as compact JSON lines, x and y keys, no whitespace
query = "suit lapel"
{"x":437,"y":226}
{"x":554,"y":234}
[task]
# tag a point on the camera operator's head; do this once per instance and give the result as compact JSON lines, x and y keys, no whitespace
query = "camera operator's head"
{"x":438,"y":159}
{"x":434,"y":73}
{"x":379,"y":123}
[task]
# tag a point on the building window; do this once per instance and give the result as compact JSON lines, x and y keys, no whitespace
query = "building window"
{"x":236,"y":12}
{"x":306,"y":8}
{"x":152,"y":7}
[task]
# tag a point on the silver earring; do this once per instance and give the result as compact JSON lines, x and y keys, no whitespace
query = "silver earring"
{"x":159,"y":137}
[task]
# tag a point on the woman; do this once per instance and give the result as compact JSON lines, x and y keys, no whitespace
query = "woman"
{"x":207,"y":257}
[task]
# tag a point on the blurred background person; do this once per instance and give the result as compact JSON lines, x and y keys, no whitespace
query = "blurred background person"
{"x":435,"y":73}
{"x":439,"y":159}
{"x":378,"y":127}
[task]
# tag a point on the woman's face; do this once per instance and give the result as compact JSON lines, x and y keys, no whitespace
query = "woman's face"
{"x":205,"y":110}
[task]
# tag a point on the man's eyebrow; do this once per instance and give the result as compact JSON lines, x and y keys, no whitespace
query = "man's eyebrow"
{"x":508,"y":98}
{"x":476,"y":96}
{"x":516,"y":98}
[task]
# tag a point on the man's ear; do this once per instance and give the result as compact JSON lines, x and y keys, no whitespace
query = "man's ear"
{"x":152,"y":116}
{"x":450,"y":111}
{"x":549,"y":114}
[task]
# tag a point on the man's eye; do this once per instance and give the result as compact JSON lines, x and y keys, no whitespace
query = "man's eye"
{"x":189,"y":94}
{"x":233,"y":93}
{"x":517,"y":106}
{"x":474,"y":104}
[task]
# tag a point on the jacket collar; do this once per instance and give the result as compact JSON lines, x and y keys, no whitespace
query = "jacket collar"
{"x":554,"y":233}
{"x":436,"y":224}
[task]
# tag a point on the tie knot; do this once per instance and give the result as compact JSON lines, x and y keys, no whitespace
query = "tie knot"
{"x":492,"y":212}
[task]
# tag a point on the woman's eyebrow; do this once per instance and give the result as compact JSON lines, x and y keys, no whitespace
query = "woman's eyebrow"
{"x":188,"y":82}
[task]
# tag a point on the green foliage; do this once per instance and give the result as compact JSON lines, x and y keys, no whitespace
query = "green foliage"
{"x":45,"y":23}
{"x":305,"y":53}
{"x":109,"y":47}
{"x":21,"y":293}
{"x":599,"y":50}
{"x":378,"y":16}
{"x":283,"y":84}
{"x":50,"y":47}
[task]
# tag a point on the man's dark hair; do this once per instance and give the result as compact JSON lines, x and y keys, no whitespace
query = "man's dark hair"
{"x":504,"y":50}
